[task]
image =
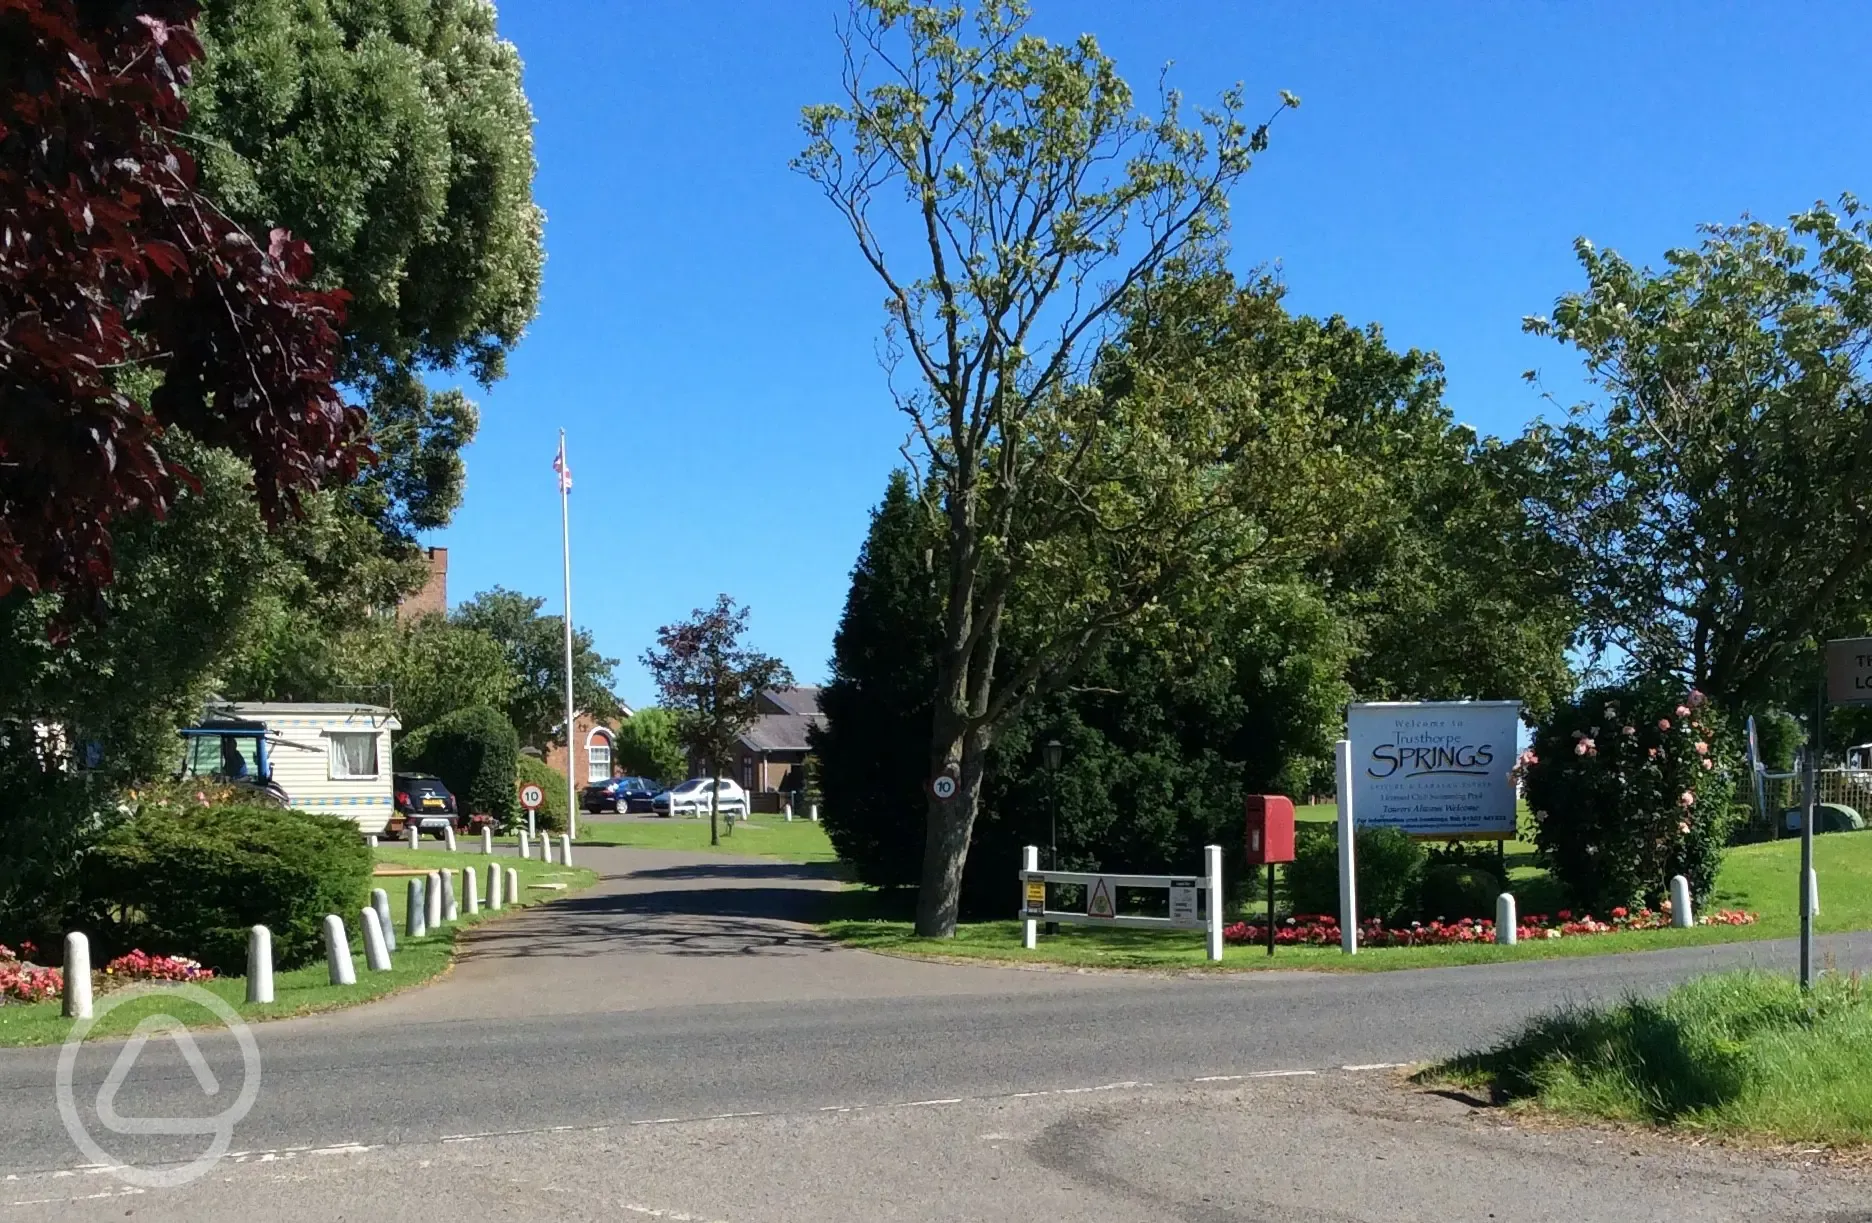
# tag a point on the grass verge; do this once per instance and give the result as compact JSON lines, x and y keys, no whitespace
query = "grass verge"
{"x":308,"y":989}
{"x":764,"y":836}
{"x":1741,"y":1054}
{"x":1761,"y":878}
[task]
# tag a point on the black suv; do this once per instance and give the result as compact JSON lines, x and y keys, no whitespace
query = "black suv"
{"x":424,"y":800}
{"x":620,"y":794}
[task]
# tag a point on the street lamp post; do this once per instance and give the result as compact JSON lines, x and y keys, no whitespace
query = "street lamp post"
{"x":1053,"y":751}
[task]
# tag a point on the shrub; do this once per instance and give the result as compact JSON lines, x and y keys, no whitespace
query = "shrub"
{"x":192,"y":881}
{"x":552,"y":816}
{"x":1451,"y":891}
{"x":476,"y":754}
{"x":1629,"y":786}
{"x":1390,"y":872}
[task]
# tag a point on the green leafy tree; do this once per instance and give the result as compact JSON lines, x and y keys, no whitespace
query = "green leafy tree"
{"x":647,"y":746}
{"x":476,"y":755}
{"x":1711,"y":501}
{"x":712,"y":683}
{"x":396,"y":137}
{"x":1042,"y":208}
{"x":535,"y":649}
{"x":552,"y":815}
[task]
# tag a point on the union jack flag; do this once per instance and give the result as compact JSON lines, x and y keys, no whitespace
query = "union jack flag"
{"x":565,"y":472}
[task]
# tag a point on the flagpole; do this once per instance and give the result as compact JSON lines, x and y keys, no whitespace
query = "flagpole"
{"x":565,"y":538}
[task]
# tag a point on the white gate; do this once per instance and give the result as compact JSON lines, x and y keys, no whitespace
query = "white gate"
{"x":1186,"y":913}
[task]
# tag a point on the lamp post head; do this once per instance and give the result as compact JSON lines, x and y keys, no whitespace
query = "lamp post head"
{"x":1053,"y":752}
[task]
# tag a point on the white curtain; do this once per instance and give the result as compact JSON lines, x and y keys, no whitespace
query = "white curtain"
{"x":354,"y":755}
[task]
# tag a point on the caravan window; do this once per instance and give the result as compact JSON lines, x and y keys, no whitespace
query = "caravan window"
{"x":353,"y":754}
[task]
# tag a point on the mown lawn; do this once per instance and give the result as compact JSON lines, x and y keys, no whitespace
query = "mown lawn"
{"x":765,"y":836}
{"x":305,"y":990}
{"x":1743,"y":1054}
{"x":1761,"y":878}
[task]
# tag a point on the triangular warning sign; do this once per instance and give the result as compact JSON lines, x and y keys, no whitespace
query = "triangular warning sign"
{"x":1099,"y":903}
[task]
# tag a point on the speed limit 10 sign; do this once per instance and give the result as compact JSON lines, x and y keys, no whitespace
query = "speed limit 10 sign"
{"x":943,"y":787}
{"x":532,"y":797}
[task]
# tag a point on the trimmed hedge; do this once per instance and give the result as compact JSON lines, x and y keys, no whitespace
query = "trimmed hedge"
{"x":193,"y":881}
{"x":1452,"y":890}
{"x":1390,"y":873}
{"x":476,"y":754}
{"x":552,"y":816}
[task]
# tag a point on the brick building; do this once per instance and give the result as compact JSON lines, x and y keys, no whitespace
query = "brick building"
{"x":593,"y":749}
{"x":432,"y":599}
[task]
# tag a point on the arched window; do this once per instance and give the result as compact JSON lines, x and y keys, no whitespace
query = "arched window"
{"x":597,"y":755}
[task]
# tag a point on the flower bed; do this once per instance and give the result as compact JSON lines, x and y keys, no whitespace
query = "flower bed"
{"x":23,"y":981}
{"x":1323,"y":931}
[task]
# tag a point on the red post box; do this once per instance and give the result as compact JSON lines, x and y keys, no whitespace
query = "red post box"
{"x":1270,"y":831}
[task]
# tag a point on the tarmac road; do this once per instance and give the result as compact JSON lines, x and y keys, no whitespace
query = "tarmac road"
{"x":680,"y":1002}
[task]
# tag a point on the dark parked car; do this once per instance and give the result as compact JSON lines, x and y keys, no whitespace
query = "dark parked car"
{"x":424,"y":800}
{"x":620,"y":794}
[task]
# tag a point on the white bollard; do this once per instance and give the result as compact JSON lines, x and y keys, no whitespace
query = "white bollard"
{"x":1030,"y":929}
{"x":815,"y":813}
{"x":338,"y":952}
{"x":451,"y":911}
{"x":565,"y":850}
{"x":259,"y":964}
{"x":471,"y":889}
{"x":448,"y":837}
{"x":380,"y":901}
{"x":487,"y":840}
{"x":1348,"y":850}
{"x":513,"y":886}
{"x":496,"y":877}
{"x":77,"y":976}
{"x":432,"y":901}
{"x":1507,"y":920}
{"x":1681,"y":916}
{"x":416,"y":910}
{"x":412,"y":833}
{"x":376,"y":955}
{"x":1813,"y":893}
{"x":370,"y":840}
{"x":1212,"y":866}
{"x":546,"y":849}
{"x":789,"y":813}
{"x":526,"y":844}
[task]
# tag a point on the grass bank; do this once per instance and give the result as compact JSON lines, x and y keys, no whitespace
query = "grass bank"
{"x":306,"y":990}
{"x":1740,"y":1054}
{"x":764,"y":836}
{"x":1761,"y":878}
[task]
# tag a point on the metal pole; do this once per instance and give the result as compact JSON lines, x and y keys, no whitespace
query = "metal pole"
{"x":1806,"y":877}
{"x":1270,"y":913}
{"x":1052,"y":927}
{"x":565,"y":538}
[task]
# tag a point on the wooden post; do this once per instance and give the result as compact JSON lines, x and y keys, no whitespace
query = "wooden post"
{"x":1030,"y":929}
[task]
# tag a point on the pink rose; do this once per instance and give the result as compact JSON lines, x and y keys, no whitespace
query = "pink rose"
{"x":1708,"y":765}
{"x":1686,"y":799}
{"x":1663,"y":723}
{"x":1702,"y":748}
{"x":1631,"y":730}
{"x":1683,"y":711}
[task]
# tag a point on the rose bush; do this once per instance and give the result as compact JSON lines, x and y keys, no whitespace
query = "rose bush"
{"x":1629,"y":786}
{"x":1323,"y":931}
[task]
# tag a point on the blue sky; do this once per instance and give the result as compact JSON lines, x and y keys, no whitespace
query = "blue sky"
{"x":707,"y":332}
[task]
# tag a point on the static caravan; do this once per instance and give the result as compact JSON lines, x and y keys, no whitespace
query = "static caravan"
{"x":329,"y":757}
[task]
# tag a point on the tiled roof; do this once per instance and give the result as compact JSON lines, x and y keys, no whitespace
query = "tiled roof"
{"x":781,"y":732}
{"x":803,"y":700}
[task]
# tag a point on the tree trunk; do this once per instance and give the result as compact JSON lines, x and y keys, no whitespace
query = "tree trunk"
{"x":948,"y":826}
{"x":714,"y":833}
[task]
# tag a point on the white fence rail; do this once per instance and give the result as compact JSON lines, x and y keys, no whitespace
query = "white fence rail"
{"x":1195,"y":901}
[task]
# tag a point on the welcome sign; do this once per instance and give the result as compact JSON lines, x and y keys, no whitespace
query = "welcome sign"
{"x":1435,"y":768}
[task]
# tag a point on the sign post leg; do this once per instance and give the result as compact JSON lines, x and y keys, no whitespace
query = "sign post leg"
{"x":1348,"y":875}
{"x":1212,"y":863}
{"x":1806,"y":877}
{"x":1030,"y":929}
{"x":1270,"y":913}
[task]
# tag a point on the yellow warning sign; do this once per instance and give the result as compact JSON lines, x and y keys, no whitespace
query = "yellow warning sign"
{"x":1099,"y":900}
{"x":1036,"y":893}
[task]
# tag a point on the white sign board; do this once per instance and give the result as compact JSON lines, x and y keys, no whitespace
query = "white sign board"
{"x":1183,"y":903}
{"x":1435,"y":768}
{"x":1849,"y":671}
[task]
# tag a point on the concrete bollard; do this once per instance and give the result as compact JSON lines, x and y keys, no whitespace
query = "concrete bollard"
{"x":259,"y":964}
{"x":1507,"y":920}
{"x":370,"y":840}
{"x":513,"y":886}
{"x":451,"y":910}
{"x":789,"y":813}
{"x":487,"y":841}
{"x":565,"y":850}
{"x":338,"y":952}
{"x":448,"y":837}
{"x":546,"y":849}
{"x":376,"y":955}
{"x":526,"y":844}
{"x":496,"y":877}
{"x":416,"y":910}
{"x":1813,"y":893}
{"x":77,"y":976}
{"x":432,"y":900}
{"x":380,"y":901}
{"x":1681,"y":916}
{"x":471,"y":889}
{"x":815,"y":813}
{"x":412,"y":833}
